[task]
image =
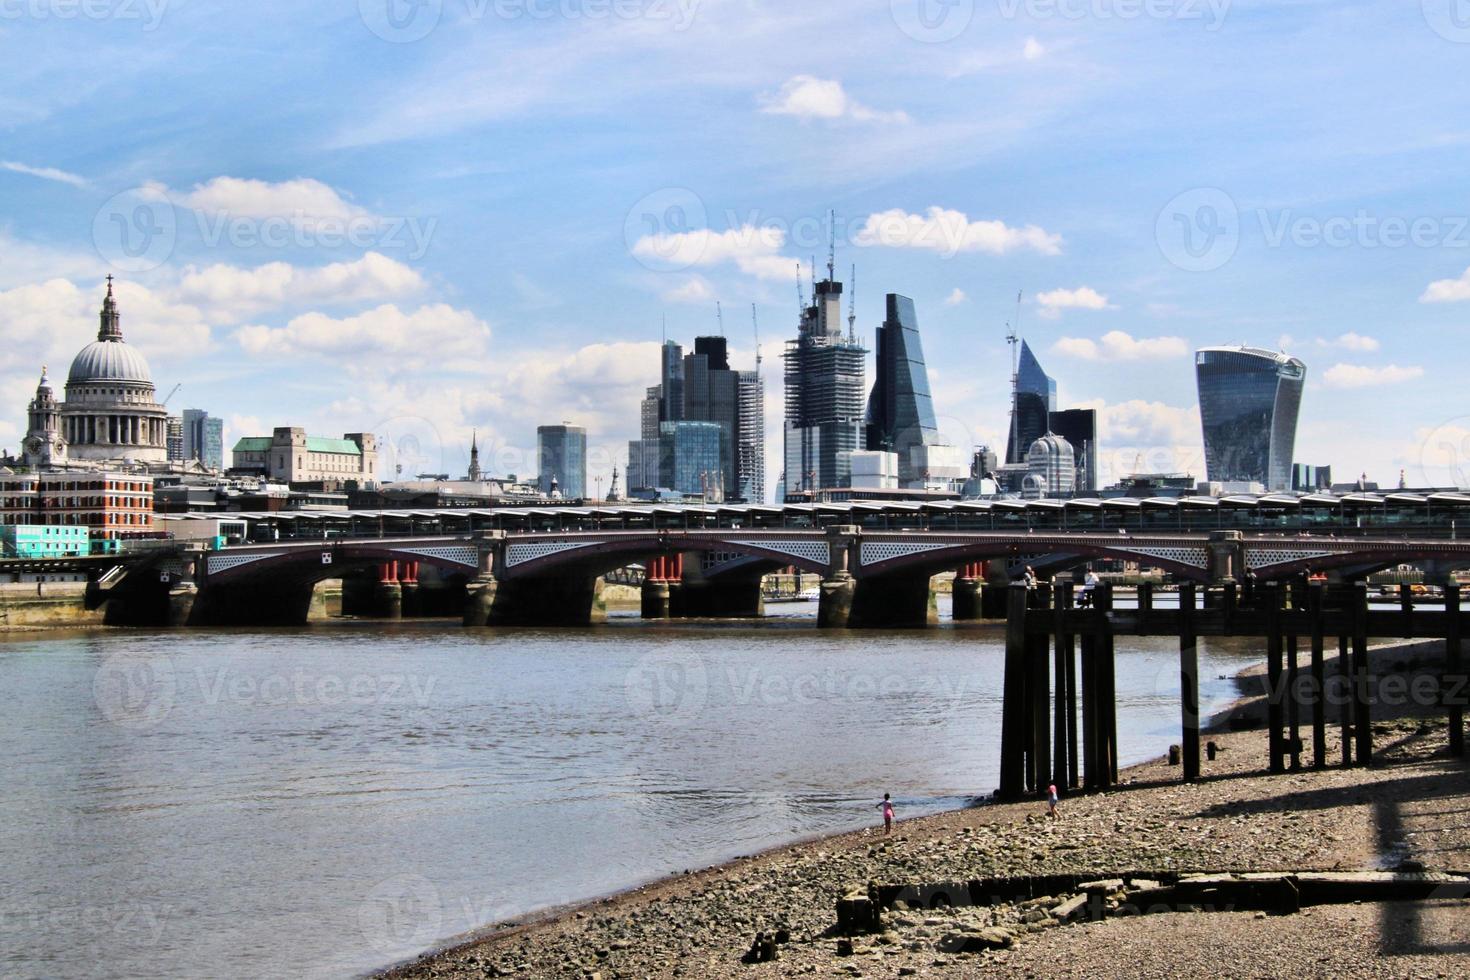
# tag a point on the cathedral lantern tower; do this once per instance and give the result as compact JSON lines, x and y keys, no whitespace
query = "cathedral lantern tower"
{"x":44,"y":447}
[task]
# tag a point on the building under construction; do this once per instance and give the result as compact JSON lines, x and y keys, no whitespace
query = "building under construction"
{"x":825,"y":395}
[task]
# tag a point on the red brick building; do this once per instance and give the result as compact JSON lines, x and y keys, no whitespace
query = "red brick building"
{"x":114,"y":505}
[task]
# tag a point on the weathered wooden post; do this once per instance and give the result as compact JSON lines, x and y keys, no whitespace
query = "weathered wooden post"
{"x":1013,"y":705}
{"x":1145,"y":605}
{"x":1061,"y":606}
{"x":1271,"y":595}
{"x":1189,"y":681}
{"x":1406,"y":610}
{"x":1345,"y":692}
{"x":1091,"y":722}
{"x":1074,"y":771}
{"x":1319,"y":678}
{"x":1293,"y":700}
{"x":1107,"y":687}
{"x":1454,"y":677}
{"x":1038,"y":690}
{"x":1362,"y":713}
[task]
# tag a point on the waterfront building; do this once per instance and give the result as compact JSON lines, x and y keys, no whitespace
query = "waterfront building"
{"x":900,"y":417}
{"x":1051,"y":466}
{"x":1079,"y":427}
{"x":824,"y":396}
{"x":1032,"y":402}
{"x":692,"y":459}
{"x":1311,"y":478}
{"x":561,"y":459}
{"x":109,"y":414}
{"x":1249,"y":401}
{"x":174,"y":441}
{"x":289,"y":455}
{"x":42,"y":541}
{"x":203,"y":438}
{"x":712,"y":394}
{"x":110,"y":504}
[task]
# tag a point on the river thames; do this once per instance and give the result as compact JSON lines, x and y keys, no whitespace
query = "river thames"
{"x":326,"y":801}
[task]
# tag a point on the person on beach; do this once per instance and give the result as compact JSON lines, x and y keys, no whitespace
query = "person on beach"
{"x":1051,"y":801}
{"x":887,"y":807}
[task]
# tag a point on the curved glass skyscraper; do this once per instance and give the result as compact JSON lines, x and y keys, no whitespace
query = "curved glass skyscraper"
{"x":1248,"y":402}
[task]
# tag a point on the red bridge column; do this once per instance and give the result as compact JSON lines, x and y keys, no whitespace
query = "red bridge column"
{"x":388,"y":596}
{"x":660,"y":572}
{"x":965,"y":596}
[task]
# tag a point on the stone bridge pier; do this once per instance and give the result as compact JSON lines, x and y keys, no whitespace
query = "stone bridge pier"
{"x":899,"y":598}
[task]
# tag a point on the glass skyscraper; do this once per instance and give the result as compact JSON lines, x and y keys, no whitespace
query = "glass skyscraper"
{"x":692,"y":457}
{"x":824,"y":397}
{"x":1035,"y":400}
{"x":900,"y":408}
{"x":561,"y":453}
{"x":1248,"y":402}
{"x":1079,"y":427}
{"x":203,"y":438}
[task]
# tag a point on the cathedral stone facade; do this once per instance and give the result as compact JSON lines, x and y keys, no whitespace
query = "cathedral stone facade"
{"x":110,"y":413}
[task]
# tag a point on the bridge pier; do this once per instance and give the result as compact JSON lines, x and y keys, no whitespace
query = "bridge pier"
{"x":410,"y":603}
{"x":388,"y":594}
{"x":966,"y":598}
{"x":660,"y":583}
{"x":994,"y":590}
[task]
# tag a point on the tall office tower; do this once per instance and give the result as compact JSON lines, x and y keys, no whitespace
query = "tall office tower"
{"x":174,"y":438}
{"x":824,"y":396}
{"x":1079,"y":427}
{"x":750,"y":454}
{"x":204,"y":438}
{"x":1034,"y":400}
{"x":691,"y":457}
{"x":671,"y":382}
{"x":1249,"y":400}
{"x":643,"y":451}
{"x":561,"y":453}
{"x":712,"y":394}
{"x":900,"y":409}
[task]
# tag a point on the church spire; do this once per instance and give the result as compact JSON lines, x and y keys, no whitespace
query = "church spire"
{"x":111,"y":328}
{"x":474,"y":473}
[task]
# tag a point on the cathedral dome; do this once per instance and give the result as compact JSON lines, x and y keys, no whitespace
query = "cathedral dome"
{"x":109,"y":360}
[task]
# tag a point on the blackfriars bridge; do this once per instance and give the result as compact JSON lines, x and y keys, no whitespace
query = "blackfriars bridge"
{"x":868,"y":577}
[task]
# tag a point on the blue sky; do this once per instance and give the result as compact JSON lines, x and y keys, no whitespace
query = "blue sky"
{"x":425,"y":218}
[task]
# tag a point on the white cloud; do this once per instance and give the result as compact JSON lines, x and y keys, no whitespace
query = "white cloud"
{"x":1364,"y":376}
{"x":695,"y":289}
{"x":1115,"y":345}
{"x":302,"y":199}
{"x":754,"y":250}
{"x":434,"y":333}
{"x":949,"y":232}
{"x":1346,"y":341}
{"x":807,"y":97}
{"x":45,"y":173}
{"x":1149,"y":437}
{"x":1032,"y":50}
{"x":1447,"y":290}
{"x":956,"y":298}
{"x":240,"y":291}
{"x":1081,"y":298}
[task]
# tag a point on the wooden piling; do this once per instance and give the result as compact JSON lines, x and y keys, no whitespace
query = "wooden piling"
{"x":1362,"y":713}
{"x":1344,"y":691}
{"x":1038,"y":694}
{"x":1453,"y":679}
{"x":1091,"y":722}
{"x":1319,"y":678}
{"x":1074,"y":771}
{"x":1189,"y":681}
{"x":1062,"y":604}
{"x":1107,"y":687}
{"x":1013,"y":705}
{"x":1271,"y":595}
{"x":1293,"y":701}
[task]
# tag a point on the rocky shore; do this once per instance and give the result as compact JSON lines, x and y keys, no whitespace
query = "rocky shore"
{"x":1405,"y":812}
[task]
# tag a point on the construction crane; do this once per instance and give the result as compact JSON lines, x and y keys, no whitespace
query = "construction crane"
{"x":852,"y":308}
{"x":720,"y":317}
{"x":172,"y":393}
{"x":1013,"y":337}
{"x":755,"y":325}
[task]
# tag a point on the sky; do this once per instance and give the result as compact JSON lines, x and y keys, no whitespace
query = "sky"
{"x":427,"y":218}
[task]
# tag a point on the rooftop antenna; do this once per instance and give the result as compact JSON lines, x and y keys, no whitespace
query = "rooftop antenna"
{"x":852,"y":308}
{"x":1013,"y":337}
{"x":831,"y":245}
{"x":720,"y":317}
{"x":755,"y":325}
{"x":814,"y":278}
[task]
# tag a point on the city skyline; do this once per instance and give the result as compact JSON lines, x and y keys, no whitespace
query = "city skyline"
{"x":313,"y":285}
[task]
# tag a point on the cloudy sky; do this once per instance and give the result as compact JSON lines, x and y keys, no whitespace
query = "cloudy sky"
{"x":423,"y":218}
